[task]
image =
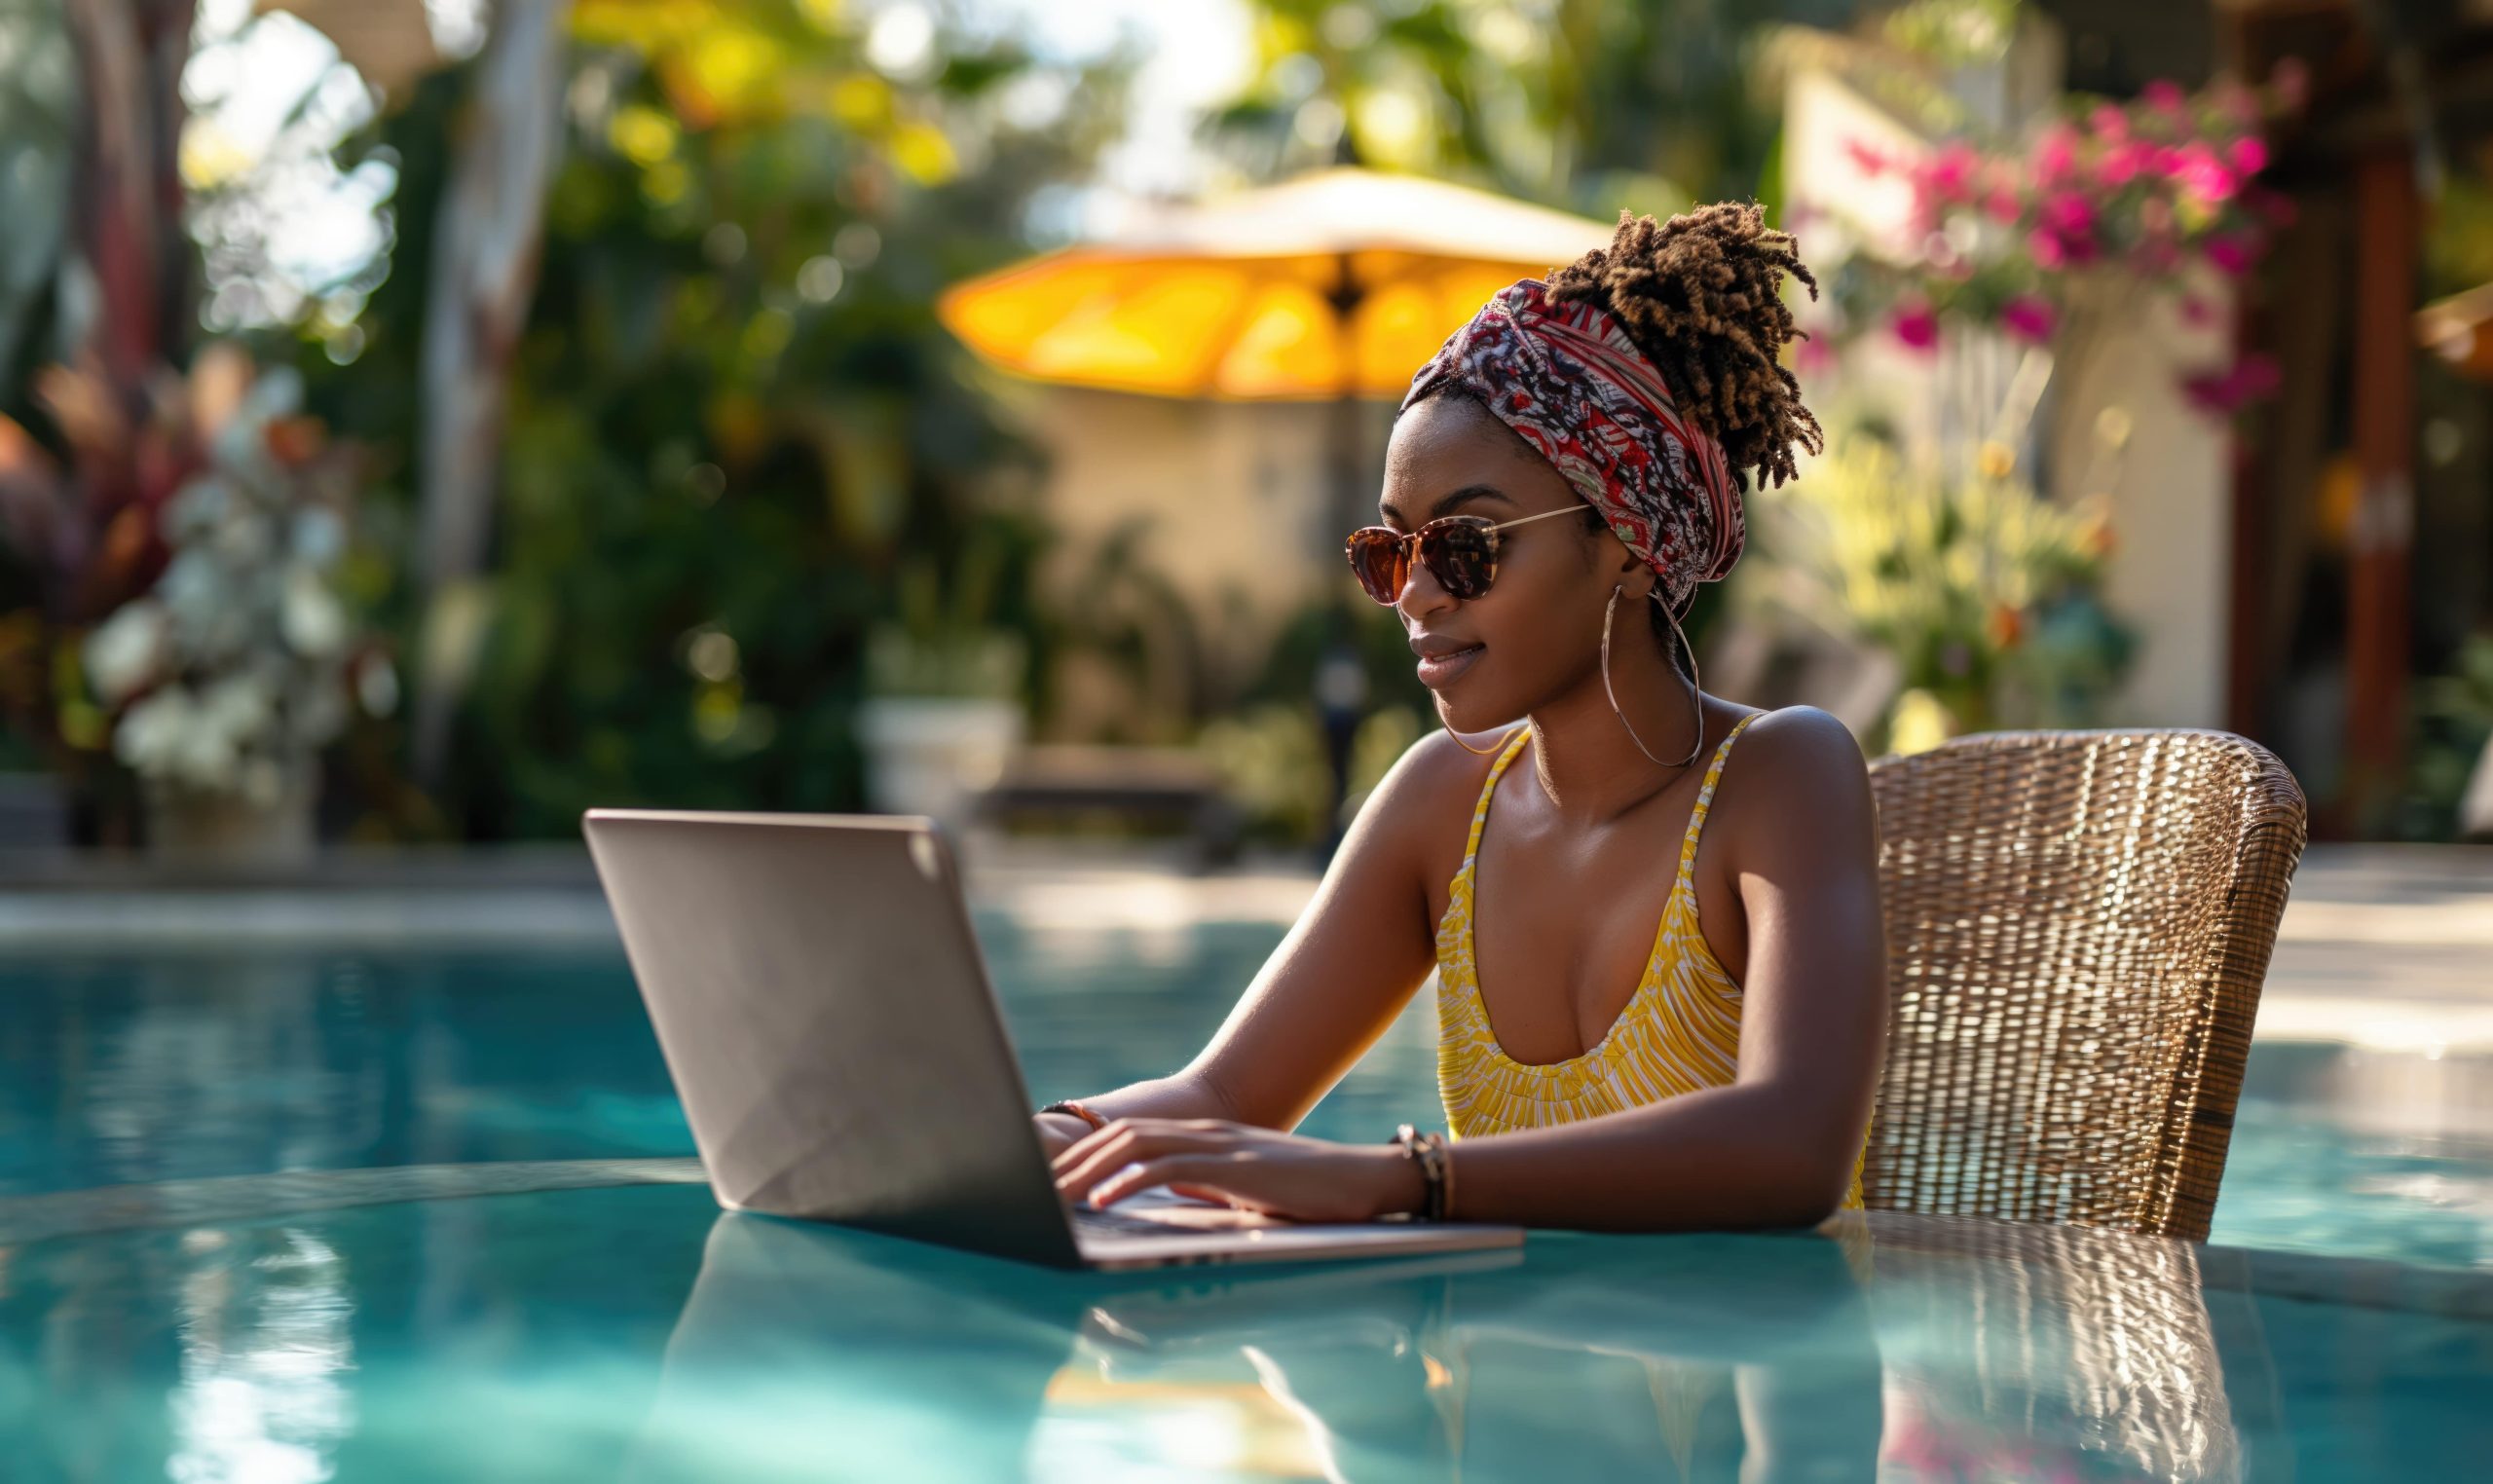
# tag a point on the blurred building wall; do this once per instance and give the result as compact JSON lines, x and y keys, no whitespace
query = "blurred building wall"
{"x":1231,"y":502}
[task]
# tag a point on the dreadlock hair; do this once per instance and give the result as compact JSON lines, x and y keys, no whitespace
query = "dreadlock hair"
{"x":1701,"y":296}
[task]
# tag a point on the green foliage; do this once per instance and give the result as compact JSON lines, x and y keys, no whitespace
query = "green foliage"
{"x":1987,"y":594}
{"x":1590,"y":105}
{"x":741,"y":457}
{"x":2452,"y":722}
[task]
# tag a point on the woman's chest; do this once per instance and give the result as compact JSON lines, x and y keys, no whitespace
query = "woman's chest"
{"x":1557,"y":937}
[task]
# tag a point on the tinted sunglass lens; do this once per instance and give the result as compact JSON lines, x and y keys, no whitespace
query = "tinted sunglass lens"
{"x":1376,"y":556}
{"x":1459,"y":556}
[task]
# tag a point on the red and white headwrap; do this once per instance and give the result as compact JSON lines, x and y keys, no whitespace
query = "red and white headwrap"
{"x":1567,"y":377}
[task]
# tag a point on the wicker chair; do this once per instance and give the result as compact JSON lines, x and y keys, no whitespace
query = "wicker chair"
{"x":2078,"y":923}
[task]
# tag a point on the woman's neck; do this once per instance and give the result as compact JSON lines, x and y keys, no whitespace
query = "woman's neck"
{"x":1591,"y":770}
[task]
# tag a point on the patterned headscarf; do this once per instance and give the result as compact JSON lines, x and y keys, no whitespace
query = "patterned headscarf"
{"x":1567,"y":377}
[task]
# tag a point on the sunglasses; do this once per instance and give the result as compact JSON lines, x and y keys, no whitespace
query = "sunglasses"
{"x":1460,"y":551}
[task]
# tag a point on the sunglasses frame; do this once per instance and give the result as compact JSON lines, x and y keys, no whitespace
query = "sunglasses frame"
{"x":1414,"y":550}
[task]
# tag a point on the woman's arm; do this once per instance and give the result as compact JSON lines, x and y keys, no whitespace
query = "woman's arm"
{"x":1349,"y":965}
{"x":1773,"y":1148}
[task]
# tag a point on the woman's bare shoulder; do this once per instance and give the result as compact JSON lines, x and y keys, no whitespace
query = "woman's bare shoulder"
{"x":1794,"y":765}
{"x":1424,"y":802}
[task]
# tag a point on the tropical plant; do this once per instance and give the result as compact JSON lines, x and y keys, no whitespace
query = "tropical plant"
{"x":231,"y":672}
{"x":85,"y":535}
{"x":738,"y":446}
{"x":1986,"y":594}
{"x":2453,"y":724}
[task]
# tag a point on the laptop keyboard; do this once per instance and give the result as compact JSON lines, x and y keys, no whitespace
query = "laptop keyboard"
{"x":1181,"y":1221}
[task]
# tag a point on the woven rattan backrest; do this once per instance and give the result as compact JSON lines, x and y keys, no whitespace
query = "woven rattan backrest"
{"x":2078,"y":923}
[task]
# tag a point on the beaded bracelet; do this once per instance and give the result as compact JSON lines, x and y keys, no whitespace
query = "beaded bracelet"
{"x":1428,"y":1152}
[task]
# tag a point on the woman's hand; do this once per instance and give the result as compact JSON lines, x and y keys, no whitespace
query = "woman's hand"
{"x":1058,"y":1131}
{"x":1257,"y":1169}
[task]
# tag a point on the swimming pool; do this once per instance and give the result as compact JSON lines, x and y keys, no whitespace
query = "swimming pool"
{"x":138,"y":1067}
{"x":268,"y":1328}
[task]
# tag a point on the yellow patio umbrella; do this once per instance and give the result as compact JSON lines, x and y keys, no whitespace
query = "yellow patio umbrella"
{"x":1341,"y":283}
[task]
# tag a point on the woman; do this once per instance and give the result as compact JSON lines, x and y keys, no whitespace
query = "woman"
{"x":1660,"y":1006}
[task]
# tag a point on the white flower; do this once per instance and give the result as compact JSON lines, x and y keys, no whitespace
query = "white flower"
{"x":126,"y":650}
{"x":193,"y":591}
{"x":314,"y":621}
{"x":244,"y":540}
{"x":172,"y":738}
{"x":148,"y":735}
{"x":240,"y":707}
{"x":197,"y":510}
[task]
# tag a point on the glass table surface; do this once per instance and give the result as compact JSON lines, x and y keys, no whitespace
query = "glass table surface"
{"x":596,"y":1320}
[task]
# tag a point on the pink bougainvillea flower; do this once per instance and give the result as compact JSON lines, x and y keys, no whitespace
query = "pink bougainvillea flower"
{"x":2251,"y":378}
{"x":2028,"y":318}
{"x":2196,"y":310}
{"x":2055,"y":156}
{"x":2166,"y":96}
{"x":2003,"y":205}
{"x":2046,"y":250}
{"x":2198,"y":171}
{"x":2232,"y":254}
{"x":2110,"y":125}
{"x":1916,"y":325}
{"x":2068,"y":219}
{"x":2213,"y":392}
{"x":2124,"y":162}
{"x":2248,"y":155}
{"x":1949,"y":174}
{"x":1866,"y":158}
{"x":2068,"y":213}
{"x":1812,"y":357}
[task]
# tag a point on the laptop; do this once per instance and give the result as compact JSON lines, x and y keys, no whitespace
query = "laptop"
{"x":827,"y":1017}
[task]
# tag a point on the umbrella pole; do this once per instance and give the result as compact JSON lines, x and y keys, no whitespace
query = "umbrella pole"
{"x":1341,"y":674}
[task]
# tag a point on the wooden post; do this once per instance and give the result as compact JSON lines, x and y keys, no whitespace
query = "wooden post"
{"x":126,"y":235}
{"x":2387,"y":236}
{"x":484,"y":275}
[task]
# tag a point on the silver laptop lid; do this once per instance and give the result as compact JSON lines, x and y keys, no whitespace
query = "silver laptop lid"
{"x":823,"y":1008}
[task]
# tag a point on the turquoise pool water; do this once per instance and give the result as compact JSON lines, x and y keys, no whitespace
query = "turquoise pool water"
{"x":136,"y":1069}
{"x":637,"y":1333}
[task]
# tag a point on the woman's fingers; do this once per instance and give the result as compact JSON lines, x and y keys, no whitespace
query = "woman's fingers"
{"x":1188,"y":1166}
{"x":1129,"y":1128}
{"x":1114,"y":1148}
{"x":1110,"y":1150}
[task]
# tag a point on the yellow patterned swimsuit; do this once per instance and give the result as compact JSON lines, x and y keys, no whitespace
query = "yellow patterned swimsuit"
{"x":1679,"y":1032}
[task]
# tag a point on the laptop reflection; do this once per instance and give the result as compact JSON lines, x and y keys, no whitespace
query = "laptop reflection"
{"x":813,"y":1351}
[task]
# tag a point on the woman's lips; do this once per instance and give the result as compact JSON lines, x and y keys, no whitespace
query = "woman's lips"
{"x":1438,"y":671}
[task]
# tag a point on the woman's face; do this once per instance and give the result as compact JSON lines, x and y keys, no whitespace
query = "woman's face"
{"x":1499,"y":656}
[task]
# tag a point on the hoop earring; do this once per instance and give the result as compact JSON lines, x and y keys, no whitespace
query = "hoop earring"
{"x":1697,"y":700}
